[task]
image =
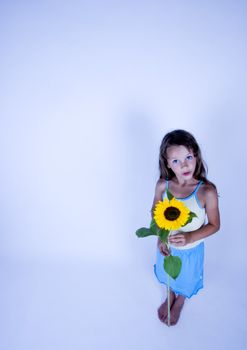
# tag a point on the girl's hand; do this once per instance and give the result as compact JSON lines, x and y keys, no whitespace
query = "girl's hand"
{"x":180,"y":239}
{"x":164,"y":249}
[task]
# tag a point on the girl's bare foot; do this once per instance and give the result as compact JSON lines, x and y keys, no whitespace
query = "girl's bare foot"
{"x":163,"y":309}
{"x":176,"y":310}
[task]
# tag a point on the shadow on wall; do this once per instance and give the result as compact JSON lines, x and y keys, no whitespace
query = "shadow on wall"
{"x":138,"y":173}
{"x":222,"y":147}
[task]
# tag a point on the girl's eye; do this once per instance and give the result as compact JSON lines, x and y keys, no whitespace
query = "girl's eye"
{"x":175,"y":161}
{"x":189,"y":157}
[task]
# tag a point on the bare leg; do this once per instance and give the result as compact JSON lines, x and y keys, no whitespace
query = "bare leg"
{"x":163,"y":309}
{"x":176,"y":310}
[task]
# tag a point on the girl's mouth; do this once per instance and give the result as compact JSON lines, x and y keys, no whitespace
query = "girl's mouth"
{"x":186,"y":174}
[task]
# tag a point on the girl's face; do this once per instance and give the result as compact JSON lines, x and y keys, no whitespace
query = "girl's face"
{"x":181,"y":161}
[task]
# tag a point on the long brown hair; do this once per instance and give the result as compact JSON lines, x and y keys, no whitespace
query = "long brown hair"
{"x":182,"y":138}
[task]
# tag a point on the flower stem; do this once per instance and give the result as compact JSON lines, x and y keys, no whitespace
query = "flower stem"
{"x":168,"y":292}
{"x":168,"y":299}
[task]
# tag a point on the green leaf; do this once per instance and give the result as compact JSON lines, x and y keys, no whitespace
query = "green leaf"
{"x":172,"y":265}
{"x":144,"y":232}
{"x":163,"y":234}
{"x":190,"y":218}
{"x":187,"y":222}
{"x":153,"y":227}
{"x":169,"y":195}
{"x":193,"y":215}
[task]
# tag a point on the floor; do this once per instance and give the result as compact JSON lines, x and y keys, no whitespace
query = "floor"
{"x":70,"y":305}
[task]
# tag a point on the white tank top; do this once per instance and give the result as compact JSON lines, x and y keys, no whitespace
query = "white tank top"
{"x":194,"y":205}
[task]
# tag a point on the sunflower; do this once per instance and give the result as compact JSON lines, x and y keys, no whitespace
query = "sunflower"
{"x":171,"y":215}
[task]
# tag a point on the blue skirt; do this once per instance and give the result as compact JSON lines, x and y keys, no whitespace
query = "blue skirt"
{"x":190,"y":279}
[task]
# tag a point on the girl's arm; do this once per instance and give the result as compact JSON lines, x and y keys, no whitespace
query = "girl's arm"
{"x":213,"y":225}
{"x":159,"y":190}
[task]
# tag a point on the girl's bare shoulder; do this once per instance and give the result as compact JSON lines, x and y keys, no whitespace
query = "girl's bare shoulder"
{"x":205,"y":191}
{"x":160,"y":185}
{"x":159,"y":190}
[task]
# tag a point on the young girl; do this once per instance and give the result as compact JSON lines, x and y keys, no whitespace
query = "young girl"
{"x":182,"y":171}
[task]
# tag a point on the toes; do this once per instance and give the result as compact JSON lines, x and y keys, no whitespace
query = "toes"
{"x":163,"y":317}
{"x":160,"y":316}
{"x":162,"y":312}
{"x":174,"y":322}
{"x":166,"y":321}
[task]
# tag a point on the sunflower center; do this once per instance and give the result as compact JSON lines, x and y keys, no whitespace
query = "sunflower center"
{"x":172,"y":213}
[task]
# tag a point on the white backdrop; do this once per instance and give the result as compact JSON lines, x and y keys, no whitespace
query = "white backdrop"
{"x":88,"y":90}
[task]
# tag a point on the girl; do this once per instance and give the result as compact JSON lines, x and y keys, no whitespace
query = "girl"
{"x":182,"y":171}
